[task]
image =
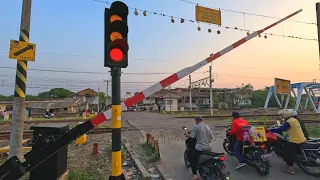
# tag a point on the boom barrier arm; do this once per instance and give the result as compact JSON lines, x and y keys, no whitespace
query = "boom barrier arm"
{"x":14,"y":169}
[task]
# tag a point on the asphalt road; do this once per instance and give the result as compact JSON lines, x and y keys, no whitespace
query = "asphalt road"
{"x":172,"y":164}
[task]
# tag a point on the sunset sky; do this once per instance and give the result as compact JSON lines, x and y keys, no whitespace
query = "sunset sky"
{"x":69,"y":36}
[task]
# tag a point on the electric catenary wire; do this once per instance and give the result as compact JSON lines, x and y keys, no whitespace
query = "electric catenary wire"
{"x":182,"y":20}
{"x":252,"y":14}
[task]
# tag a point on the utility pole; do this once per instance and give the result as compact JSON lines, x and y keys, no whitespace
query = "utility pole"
{"x":107,"y":97}
{"x":99,"y":99}
{"x":190,"y":98}
{"x":18,"y":115}
{"x":211,"y":103}
{"x":107,"y":94}
{"x":171,"y":103}
{"x":318,"y":25}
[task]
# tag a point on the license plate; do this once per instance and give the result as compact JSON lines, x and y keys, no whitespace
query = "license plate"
{"x":266,"y":157}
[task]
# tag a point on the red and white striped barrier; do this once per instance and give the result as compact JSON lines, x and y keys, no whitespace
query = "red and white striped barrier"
{"x":181,"y":74}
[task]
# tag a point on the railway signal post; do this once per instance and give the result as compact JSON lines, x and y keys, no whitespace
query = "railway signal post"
{"x":116,"y":57}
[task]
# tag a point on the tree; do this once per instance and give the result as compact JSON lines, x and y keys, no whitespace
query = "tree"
{"x":56,"y":93}
{"x":6,"y":98}
{"x":102,"y":99}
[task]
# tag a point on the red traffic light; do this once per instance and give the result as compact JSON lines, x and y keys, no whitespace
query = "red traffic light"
{"x":118,"y":49}
{"x":116,"y":54}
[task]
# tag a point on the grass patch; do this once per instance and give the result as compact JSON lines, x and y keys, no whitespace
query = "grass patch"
{"x":82,"y":175}
{"x":314,"y":131}
{"x":150,"y":153}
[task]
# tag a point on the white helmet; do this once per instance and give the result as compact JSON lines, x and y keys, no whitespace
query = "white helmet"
{"x":286,"y":113}
{"x":294,"y":112}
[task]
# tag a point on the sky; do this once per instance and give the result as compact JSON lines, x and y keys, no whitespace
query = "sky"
{"x":69,"y":35}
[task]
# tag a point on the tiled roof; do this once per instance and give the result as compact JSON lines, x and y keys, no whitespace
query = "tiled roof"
{"x":53,"y":104}
{"x":87,"y":92}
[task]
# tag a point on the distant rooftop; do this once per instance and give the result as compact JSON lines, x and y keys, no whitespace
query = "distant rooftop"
{"x":87,"y":92}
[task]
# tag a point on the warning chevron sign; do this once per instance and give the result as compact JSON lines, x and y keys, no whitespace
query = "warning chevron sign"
{"x":21,"y":50}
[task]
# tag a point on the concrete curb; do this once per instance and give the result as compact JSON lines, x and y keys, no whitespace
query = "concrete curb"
{"x":143,"y":133}
{"x":135,"y":157}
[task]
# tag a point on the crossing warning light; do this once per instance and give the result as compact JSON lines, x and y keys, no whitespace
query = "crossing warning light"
{"x":116,"y":35}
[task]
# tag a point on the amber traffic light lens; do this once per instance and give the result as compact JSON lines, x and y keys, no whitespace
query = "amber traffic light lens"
{"x":115,"y":18}
{"x":116,"y":54}
{"x":115,"y":35}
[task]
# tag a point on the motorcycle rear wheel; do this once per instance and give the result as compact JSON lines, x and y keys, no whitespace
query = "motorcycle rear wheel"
{"x":186,"y":160}
{"x":304,"y":168}
{"x":263,"y":168}
{"x":219,"y":174}
{"x":226,"y":147}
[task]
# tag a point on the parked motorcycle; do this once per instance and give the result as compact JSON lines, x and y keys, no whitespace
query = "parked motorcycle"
{"x":256,"y":155}
{"x":306,"y":159}
{"x":210,"y":165}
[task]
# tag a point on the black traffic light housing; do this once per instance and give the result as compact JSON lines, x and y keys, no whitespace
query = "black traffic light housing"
{"x":116,"y":35}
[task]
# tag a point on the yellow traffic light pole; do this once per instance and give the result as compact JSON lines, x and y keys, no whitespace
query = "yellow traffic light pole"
{"x":116,"y":57}
{"x":116,"y":125}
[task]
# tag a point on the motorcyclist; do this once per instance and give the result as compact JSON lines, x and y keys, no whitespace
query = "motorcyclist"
{"x":203,"y":135}
{"x":48,"y":114}
{"x":296,"y":138}
{"x":236,"y":129}
{"x":303,"y":127}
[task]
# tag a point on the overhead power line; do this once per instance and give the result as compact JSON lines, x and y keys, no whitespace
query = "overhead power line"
{"x":153,"y":60}
{"x":182,"y":20}
{"x":251,"y":14}
{"x":89,"y":72}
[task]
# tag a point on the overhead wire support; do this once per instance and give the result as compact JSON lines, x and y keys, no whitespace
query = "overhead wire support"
{"x":227,"y":27}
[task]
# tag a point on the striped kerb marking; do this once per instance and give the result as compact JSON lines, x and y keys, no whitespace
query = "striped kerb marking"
{"x":184,"y":72}
{"x":169,"y":80}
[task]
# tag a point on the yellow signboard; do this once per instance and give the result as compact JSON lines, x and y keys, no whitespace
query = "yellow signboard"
{"x":21,"y":50}
{"x":254,"y":134}
{"x":282,"y":86}
{"x":259,"y":134}
{"x":208,"y":15}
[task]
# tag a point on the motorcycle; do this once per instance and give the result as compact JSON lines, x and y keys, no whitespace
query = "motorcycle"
{"x":256,"y":155}
{"x":308,"y":157}
{"x":48,"y":116}
{"x":210,"y":164}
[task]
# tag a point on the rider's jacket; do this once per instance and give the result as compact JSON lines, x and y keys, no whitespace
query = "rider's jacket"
{"x":295,"y":133}
{"x":237,"y":128}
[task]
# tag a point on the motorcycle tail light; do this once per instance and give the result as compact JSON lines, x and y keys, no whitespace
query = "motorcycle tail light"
{"x":222,"y":158}
{"x":223,"y":167}
{"x":262,"y":146}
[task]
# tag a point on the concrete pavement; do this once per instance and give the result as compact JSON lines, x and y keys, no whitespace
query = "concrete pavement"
{"x":172,"y":164}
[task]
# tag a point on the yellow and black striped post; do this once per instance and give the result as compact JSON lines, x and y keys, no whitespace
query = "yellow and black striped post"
{"x":116,"y":173}
{"x":21,"y":73}
{"x":18,"y":115}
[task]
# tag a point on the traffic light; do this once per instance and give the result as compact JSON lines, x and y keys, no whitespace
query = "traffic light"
{"x":116,"y":35}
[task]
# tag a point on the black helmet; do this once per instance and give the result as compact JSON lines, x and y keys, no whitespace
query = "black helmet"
{"x":198,"y":118}
{"x":235,"y":115}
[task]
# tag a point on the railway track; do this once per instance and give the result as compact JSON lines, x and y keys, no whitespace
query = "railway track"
{"x":82,"y":120}
{"x":245,"y":115}
{"x":271,"y":122}
{"x":5,"y":135}
{"x":44,"y":121}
